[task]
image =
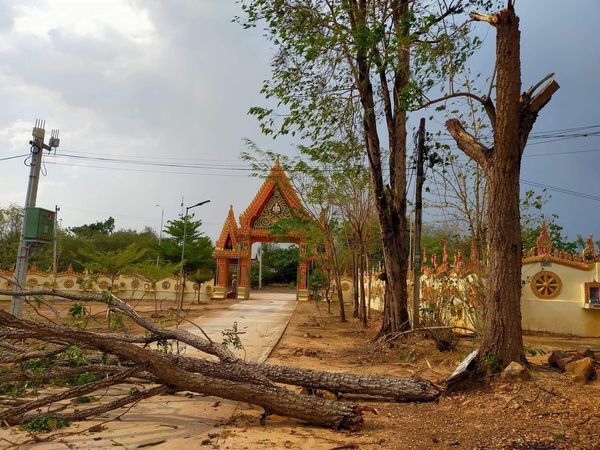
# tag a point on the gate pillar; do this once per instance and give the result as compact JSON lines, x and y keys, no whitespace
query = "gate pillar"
{"x":220,"y":289}
{"x":302,"y":275}
{"x":244,"y":281}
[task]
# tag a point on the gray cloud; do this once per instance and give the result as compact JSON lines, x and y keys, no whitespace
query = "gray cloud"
{"x":176,"y":79}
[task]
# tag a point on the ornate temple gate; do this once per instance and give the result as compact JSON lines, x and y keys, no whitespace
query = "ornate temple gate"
{"x":276,"y":200}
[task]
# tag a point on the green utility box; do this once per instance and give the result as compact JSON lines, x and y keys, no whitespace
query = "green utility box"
{"x":39,"y":225}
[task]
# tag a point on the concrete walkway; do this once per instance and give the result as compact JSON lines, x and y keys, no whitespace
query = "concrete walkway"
{"x":185,"y":421}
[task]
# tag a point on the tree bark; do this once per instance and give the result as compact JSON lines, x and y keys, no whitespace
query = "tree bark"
{"x":354,"y":285}
{"x":390,"y":201}
{"x":502,"y":315}
{"x":273,"y":399}
{"x":515,"y":114}
{"x":338,"y":280}
{"x":361,"y":269}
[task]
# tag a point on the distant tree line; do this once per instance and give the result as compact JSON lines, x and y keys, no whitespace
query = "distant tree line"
{"x":99,"y":247}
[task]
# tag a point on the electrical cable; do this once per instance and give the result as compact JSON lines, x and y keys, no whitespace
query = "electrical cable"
{"x":14,"y":157}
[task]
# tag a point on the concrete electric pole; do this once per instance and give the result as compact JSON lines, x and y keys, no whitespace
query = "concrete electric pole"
{"x":418,"y":222}
{"x":54,"y":243}
{"x":26,"y":247}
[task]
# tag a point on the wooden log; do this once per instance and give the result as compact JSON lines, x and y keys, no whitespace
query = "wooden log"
{"x":274,"y":399}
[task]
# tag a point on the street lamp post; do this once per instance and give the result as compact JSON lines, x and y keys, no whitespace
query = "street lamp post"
{"x":162,"y":216}
{"x":181,"y":272}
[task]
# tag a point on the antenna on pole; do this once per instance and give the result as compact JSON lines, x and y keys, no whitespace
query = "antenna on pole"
{"x":28,"y":246}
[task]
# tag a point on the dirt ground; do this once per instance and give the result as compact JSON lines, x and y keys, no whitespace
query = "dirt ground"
{"x":548,"y":412}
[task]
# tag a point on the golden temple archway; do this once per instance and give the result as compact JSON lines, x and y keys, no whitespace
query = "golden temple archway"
{"x":276,"y":200}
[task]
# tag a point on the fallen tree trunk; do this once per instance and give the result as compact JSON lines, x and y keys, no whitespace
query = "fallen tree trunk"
{"x":399,"y":389}
{"x":273,"y":399}
{"x":410,"y":389}
{"x":230,"y":377}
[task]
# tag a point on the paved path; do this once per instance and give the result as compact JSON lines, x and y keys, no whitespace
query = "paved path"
{"x":178,"y":421}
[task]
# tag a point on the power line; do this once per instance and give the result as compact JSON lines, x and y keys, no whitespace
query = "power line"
{"x":14,"y":157}
{"x":562,"y":190}
{"x":125,"y":169}
{"x":572,"y":152}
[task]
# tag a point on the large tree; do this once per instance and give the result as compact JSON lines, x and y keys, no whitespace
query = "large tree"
{"x":339,"y":57}
{"x":512,"y":117}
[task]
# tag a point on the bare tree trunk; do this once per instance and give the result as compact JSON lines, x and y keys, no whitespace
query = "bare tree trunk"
{"x":390,"y":200}
{"x":337,"y":277}
{"x":502,"y":314}
{"x":370,"y":275}
{"x":363,"y":303}
{"x":512,"y":119}
{"x":355,"y":300}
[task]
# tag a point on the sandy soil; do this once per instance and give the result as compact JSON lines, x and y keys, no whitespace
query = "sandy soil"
{"x":548,"y":412}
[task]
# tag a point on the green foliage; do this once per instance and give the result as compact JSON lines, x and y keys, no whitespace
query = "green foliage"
{"x":153,"y":272}
{"x":87,"y":231}
{"x":12,"y":390}
{"x":75,"y":356}
{"x":11,"y":219}
{"x":85,"y":378}
{"x":45,"y":423}
{"x":492,"y":362}
{"x":198,"y":248}
{"x":77,"y":311}
{"x":312,"y":73}
{"x":231,"y":337}
{"x":116,"y":321}
{"x":279,"y":264}
{"x":85,"y":399}
{"x":113,"y":262}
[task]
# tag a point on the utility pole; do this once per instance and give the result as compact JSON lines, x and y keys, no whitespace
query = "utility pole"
{"x":418,"y":223}
{"x":54,"y":243}
{"x":181,"y":271}
{"x":162,"y":216}
{"x":26,"y":248}
{"x":259,"y":254}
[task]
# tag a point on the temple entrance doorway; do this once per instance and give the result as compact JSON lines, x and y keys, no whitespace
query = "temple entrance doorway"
{"x":275,"y":201}
{"x":274,"y":267}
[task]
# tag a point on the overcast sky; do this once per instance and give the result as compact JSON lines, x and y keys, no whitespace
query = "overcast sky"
{"x":173,"y":81}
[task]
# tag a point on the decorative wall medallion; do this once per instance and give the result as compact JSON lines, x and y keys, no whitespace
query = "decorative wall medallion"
{"x":135,"y":284}
{"x":166,"y":284}
{"x":68,"y":284}
{"x":103,"y":284}
{"x":546,"y":284}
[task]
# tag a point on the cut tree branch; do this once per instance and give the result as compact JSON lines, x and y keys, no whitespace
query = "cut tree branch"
{"x":468,"y":143}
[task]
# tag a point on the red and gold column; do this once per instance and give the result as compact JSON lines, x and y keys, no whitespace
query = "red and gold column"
{"x":244,"y":282}
{"x":303,"y":274}
{"x":220,"y":290}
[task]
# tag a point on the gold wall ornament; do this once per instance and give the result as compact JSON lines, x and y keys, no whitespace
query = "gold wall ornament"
{"x":588,"y":251}
{"x":543,"y":243}
{"x":275,"y":210}
{"x":546,"y":284}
